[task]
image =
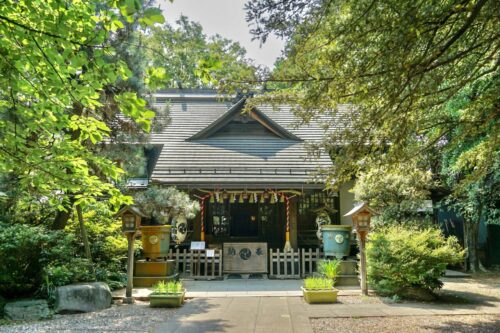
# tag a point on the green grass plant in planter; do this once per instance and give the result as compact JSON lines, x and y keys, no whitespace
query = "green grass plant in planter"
{"x":167,"y":295}
{"x":329,"y":269}
{"x":319,"y":290}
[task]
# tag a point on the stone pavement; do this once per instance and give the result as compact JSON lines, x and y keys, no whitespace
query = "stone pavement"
{"x":292,"y":314}
{"x":238,"y":288}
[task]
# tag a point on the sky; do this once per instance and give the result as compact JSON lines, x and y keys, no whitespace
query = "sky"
{"x":226,"y":18}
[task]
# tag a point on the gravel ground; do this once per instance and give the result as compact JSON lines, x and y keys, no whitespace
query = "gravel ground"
{"x":138,"y":317}
{"x":415,"y":324}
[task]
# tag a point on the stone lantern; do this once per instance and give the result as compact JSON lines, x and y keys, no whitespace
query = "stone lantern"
{"x":131,"y":220}
{"x":361,"y":218}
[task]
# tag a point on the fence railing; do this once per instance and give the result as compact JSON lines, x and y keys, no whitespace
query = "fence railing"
{"x":198,"y":264}
{"x":284,"y":265}
{"x":309,"y":262}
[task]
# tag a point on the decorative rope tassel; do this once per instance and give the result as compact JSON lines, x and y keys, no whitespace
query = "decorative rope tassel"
{"x":288,"y":246}
{"x":202,"y":233}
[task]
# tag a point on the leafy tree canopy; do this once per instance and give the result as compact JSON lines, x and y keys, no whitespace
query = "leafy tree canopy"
{"x":60,"y":80}
{"x":190,"y":59}
{"x":398,"y":64}
{"x":420,"y":81}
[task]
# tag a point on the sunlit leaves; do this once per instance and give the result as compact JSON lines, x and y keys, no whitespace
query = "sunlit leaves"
{"x":58,"y":88}
{"x":193,"y":60}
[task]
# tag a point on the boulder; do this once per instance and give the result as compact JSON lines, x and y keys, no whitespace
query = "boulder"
{"x":82,"y":297}
{"x":33,"y":309}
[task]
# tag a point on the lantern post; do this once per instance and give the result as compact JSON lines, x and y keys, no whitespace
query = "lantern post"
{"x":131,"y":219}
{"x":361,"y":219}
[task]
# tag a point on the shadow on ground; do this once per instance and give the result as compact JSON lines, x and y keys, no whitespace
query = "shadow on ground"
{"x":467,"y":324}
{"x":182,"y":323}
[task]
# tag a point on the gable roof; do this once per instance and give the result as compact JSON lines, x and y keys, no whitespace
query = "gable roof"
{"x":193,"y":157}
{"x":255,"y":114}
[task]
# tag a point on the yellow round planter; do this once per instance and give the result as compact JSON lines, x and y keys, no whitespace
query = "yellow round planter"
{"x":155,"y":241}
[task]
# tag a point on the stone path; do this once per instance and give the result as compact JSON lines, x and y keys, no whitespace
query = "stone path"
{"x":238,"y":288}
{"x":291,"y":314}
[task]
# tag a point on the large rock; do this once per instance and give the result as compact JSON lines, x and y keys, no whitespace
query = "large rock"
{"x":82,"y":297}
{"x":27,"y":310}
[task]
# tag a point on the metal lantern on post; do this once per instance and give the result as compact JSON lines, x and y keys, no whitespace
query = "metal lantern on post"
{"x":131,"y":220}
{"x":361,"y":218}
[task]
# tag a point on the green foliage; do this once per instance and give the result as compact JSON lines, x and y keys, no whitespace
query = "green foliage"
{"x":400,"y":257}
{"x":316,"y":283}
{"x":190,"y":59}
{"x":170,"y":287}
{"x":60,"y":91}
{"x":108,"y":246}
{"x":398,"y":192}
{"x":409,"y":81}
{"x":34,"y":259}
{"x":164,"y":203}
{"x":30,"y":256}
{"x":329,"y":269}
{"x":396,"y":64}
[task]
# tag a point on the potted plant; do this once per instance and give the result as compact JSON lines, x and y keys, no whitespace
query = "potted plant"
{"x":161,"y":206}
{"x":167,"y":295}
{"x":321,"y":289}
{"x":329,"y":269}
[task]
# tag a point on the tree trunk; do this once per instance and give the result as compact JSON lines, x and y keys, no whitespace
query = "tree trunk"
{"x":471,"y":230}
{"x":83,"y":233}
{"x":62,"y":217}
{"x":61,"y":220}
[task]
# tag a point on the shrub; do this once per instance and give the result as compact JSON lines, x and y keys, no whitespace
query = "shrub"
{"x":31,"y":256}
{"x":108,"y":246}
{"x":400,"y":259}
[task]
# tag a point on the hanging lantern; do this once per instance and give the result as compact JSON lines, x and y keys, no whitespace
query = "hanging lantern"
{"x":262,"y":199}
{"x":241,"y":199}
{"x":282,"y":198}
{"x":212,"y":198}
{"x":225,"y":195}
{"x":232,"y":198}
{"x":250,"y":198}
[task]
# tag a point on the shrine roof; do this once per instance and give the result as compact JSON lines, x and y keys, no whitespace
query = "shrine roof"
{"x":211,"y":142}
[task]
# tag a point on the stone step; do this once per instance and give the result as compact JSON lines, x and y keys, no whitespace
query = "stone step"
{"x":348,"y":267}
{"x":143,"y":268}
{"x":347,"y":280}
{"x":149,"y":281}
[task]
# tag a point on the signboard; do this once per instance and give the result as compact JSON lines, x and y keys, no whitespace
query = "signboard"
{"x":245,"y":258}
{"x":197,"y":245}
{"x":210,"y":253}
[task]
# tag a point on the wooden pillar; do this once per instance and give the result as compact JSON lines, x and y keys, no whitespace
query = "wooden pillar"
{"x":130,"y":269}
{"x":293,"y":222}
{"x":362,"y":262}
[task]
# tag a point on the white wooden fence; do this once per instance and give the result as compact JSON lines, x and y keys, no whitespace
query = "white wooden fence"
{"x":196,"y":264}
{"x":294,"y":264}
